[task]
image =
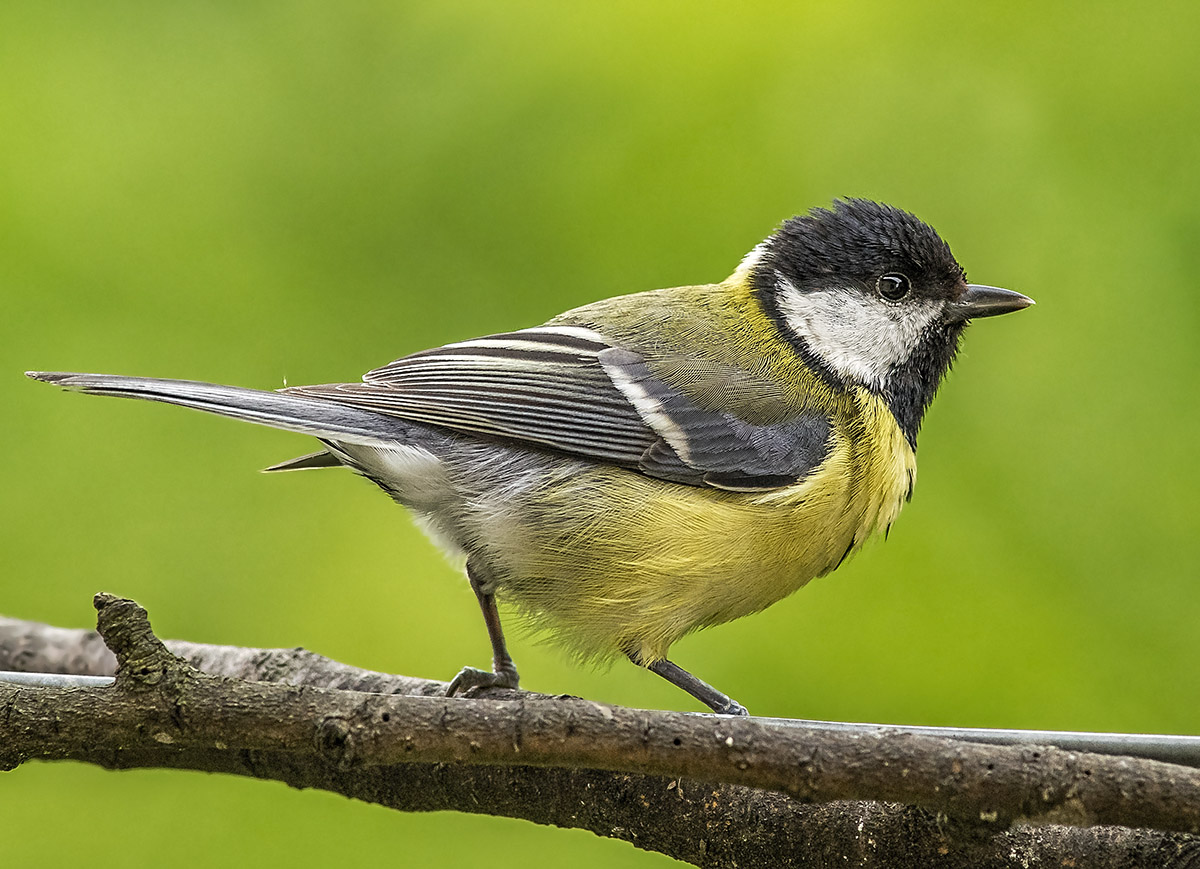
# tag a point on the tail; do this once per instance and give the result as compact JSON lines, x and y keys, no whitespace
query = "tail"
{"x":311,"y":416}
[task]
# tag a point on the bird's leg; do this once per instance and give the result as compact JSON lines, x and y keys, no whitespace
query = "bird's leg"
{"x":504,"y":672}
{"x":702,"y":691}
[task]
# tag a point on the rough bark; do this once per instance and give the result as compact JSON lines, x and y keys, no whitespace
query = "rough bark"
{"x":712,"y":791}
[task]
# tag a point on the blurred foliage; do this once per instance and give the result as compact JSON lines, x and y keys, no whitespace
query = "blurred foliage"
{"x":256,"y":193}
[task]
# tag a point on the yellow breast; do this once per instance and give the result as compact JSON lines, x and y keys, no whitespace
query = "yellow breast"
{"x":612,"y":561}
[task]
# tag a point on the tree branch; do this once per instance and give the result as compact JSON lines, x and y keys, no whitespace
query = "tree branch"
{"x":39,"y":650}
{"x":575,"y":763}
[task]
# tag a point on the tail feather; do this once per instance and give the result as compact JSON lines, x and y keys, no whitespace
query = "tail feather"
{"x":323,"y":459}
{"x":319,"y":417}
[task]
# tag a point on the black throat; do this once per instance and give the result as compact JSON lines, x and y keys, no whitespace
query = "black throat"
{"x":910,"y":386}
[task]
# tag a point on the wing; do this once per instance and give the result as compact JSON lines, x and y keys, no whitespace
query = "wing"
{"x":566,"y":388}
{"x":543,"y":386}
{"x":715,"y":448}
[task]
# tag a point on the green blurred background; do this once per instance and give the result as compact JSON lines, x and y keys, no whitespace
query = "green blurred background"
{"x":257,"y":193}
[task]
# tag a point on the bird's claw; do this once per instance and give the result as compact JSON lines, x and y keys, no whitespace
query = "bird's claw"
{"x":732,"y":708}
{"x":471,"y":679}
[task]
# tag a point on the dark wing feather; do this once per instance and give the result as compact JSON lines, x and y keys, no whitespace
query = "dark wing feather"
{"x":566,"y":388}
{"x":716,"y":448}
{"x":543,"y":386}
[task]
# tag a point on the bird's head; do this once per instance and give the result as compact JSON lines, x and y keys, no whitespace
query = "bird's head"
{"x":871,"y":296}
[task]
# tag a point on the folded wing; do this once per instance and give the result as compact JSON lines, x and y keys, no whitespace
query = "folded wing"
{"x":566,"y":388}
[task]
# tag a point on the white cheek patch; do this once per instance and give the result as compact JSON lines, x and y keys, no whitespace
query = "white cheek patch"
{"x":860,"y":337}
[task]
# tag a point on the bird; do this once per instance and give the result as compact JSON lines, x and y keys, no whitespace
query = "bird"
{"x":655,"y":463}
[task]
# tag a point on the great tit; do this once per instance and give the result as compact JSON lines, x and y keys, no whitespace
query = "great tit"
{"x":651,"y":464}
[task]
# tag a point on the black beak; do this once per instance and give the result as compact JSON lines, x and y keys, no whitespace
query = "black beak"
{"x":984,"y":301}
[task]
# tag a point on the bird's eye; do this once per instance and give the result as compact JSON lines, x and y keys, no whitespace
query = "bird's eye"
{"x":893,"y":286}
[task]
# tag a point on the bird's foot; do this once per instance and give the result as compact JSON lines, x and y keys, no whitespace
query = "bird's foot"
{"x":471,"y":679}
{"x":731,"y":708}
